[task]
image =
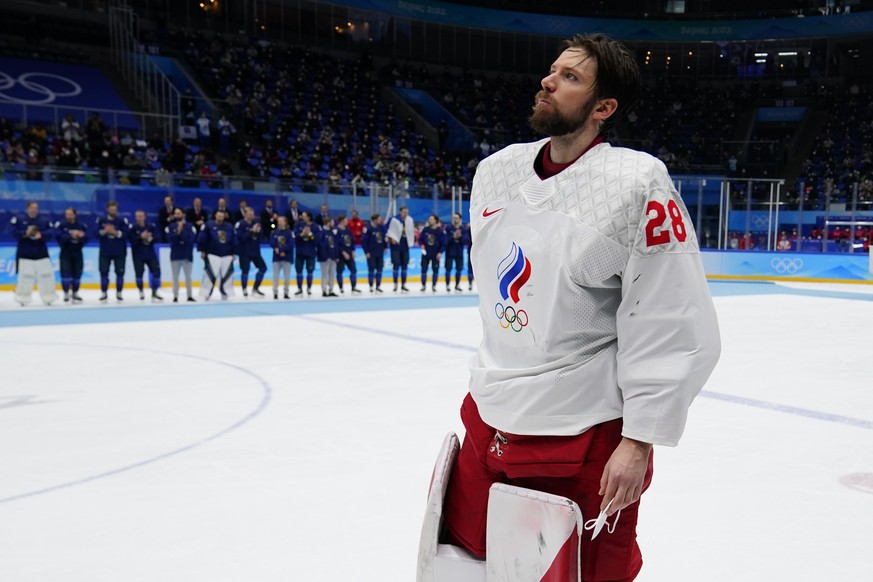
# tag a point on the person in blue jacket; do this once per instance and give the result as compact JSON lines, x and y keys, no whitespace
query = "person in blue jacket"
{"x":111,"y":231}
{"x":32,"y":231}
{"x":328,"y":253}
{"x":346,"y":257}
{"x":217,"y":245}
{"x":71,"y":235}
{"x":143,"y":235}
{"x":248,"y":240}
{"x":306,"y":233}
{"x":282,"y":241}
{"x":182,"y":236}
{"x":457,"y":237}
{"x":432,"y":240}
{"x":374,"y":244}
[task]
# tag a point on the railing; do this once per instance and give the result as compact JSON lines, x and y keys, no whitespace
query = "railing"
{"x":144,"y":77}
{"x":139,"y":124}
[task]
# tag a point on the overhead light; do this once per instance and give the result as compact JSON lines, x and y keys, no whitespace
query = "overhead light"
{"x":760,"y":54}
{"x":788,"y":54}
{"x":760,"y":60}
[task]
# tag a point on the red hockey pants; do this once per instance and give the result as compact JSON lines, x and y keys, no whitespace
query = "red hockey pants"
{"x":570,"y":466}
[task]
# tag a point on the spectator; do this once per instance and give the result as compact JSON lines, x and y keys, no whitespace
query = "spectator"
{"x":197,"y":216}
{"x":268,"y":219}
{"x":32,"y":260}
{"x":321,"y":219}
{"x":182,"y":237}
{"x":203,"y":130}
{"x":240,"y":214}
{"x":225,"y":132}
{"x":356,"y":226}
{"x":293,"y":213}
{"x":71,"y":129}
{"x":222,"y":207}
{"x":165,"y":215}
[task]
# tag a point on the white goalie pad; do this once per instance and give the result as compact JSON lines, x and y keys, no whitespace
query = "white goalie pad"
{"x":443,"y":562}
{"x":532,"y":536}
{"x":37,"y":273}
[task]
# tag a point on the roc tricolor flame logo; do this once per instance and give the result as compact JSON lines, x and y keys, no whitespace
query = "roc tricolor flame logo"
{"x":512,"y":273}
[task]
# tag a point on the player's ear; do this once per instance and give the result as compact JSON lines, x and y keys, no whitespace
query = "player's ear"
{"x":605,"y":109}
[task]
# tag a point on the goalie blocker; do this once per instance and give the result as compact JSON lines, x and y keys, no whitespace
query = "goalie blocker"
{"x":532,"y":536}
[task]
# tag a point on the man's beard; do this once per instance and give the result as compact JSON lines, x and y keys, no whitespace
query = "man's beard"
{"x":554,"y":123}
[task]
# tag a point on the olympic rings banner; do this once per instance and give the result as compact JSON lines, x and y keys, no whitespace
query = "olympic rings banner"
{"x":38,"y":87}
{"x":783,"y":265}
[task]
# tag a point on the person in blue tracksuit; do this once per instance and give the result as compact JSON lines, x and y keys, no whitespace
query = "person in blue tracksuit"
{"x":282,"y":241}
{"x":217,"y":245}
{"x":143,"y":235}
{"x":111,"y":231}
{"x":457,"y":237}
{"x":433,"y":241}
{"x":182,"y":236}
{"x":346,"y":258}
{"x":71,"y":235}
{"x":32,"y":231}
{"x":373,"y":243}
{"x":248,"y":240}
{"x":328,"y":254}
{"x":306,"y":233}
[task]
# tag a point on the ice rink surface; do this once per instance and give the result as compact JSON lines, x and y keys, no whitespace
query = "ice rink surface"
{"x":294,"y":440}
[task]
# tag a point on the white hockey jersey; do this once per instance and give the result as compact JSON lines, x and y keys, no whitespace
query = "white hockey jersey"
{"x":593,"y":299}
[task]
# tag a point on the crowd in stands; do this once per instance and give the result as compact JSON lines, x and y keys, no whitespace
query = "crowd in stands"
{"x":842,"y":158}
{"x":683,"y":122}
{"x":494,"y":108}
{"x":339,"y":132}
{"x":337,"y":128}
{"x":93,"y":146}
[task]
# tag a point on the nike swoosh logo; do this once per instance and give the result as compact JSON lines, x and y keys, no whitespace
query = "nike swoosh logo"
{"x":486,"y":214}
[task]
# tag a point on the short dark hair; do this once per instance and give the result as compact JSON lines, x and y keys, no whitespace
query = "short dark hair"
{"x":374,"y":216}
{"x":111,"y":203}
{"x":618,"y":75}
{"x":340,"y":218}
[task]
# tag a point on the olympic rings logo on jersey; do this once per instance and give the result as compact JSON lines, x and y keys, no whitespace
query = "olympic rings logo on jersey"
{"x":512,"y":274}
{"x":786,"y":265}
{"x":510,"y":317}
{"x":28,"y":81}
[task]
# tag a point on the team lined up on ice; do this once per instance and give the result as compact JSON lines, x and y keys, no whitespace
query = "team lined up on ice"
{"x":330,"y":242}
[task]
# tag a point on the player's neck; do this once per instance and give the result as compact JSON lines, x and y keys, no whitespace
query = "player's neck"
{"x":566,"y":148}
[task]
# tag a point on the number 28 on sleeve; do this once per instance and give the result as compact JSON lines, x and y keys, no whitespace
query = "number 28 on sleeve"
{"x":656,"y":232}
